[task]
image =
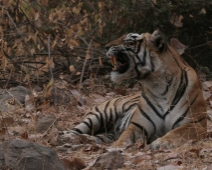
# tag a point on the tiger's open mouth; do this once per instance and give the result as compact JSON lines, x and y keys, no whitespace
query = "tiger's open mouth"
{"x":120,"y":63}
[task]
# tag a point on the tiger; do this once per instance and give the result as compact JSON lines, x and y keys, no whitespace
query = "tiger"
{"x":169,"y":109}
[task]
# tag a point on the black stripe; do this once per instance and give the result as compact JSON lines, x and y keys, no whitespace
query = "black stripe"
{"x":152,"y":64}
{"x":185,"y":113}
{"x":139,"y":59}
{"x":110,"y":122}
{"x":77,"y":130}
{"x":111,"y":115}
{"x":199,"y":120}
{"x":129,"y":117}
{"x":110,"y":136}
{"x":137,"y":44}
{"x":100,"y":138}
{"x":129,"y":101}
{"x":91,"y":122}
{"x":100,"y":114}
{"x":115,"y":105}
{"x":97,"y":116}
{"x":152,"y":106}
{"x":136,"y":68}
{"x":154,"y":96}
{"x":144,"y":57}
{"x":134,"y":140}
{"x":167,"y":86}
{"x":180,"y":91}
{"x":76,"y":133}
{"x":130,"y":107}
{"x":90,"y":113}
{"x":116,"y":116}
{"x":182,"y":87}
{"x":147,"y":117}
{"x":87,"y":124}
{"x":141,"y":128}
{"x":105,"y":110}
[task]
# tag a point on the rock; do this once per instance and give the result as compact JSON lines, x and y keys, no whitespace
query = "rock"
{"x":17,"y":93}
{"x":44,"y":123}
{"x":110,"y":161}
{"x":22,"y":154}
{"x":171,"y":167}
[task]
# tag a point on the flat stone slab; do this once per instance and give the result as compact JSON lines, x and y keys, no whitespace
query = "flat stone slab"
{"x":23,"y":154}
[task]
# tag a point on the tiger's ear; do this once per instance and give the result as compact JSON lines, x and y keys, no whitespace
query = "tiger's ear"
{"x":158,"y":41}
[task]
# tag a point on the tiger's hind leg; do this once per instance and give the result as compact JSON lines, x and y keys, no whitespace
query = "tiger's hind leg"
{"x":180,"y":135}
{"x":139,"y":127}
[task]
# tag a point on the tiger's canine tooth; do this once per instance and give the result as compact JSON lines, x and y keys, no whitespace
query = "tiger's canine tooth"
{"x":114,"y":62}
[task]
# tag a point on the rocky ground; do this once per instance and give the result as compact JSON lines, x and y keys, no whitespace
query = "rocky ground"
{"x":31,"y":120}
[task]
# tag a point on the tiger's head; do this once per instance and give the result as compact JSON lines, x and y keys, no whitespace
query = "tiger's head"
{"x":135,"y":55}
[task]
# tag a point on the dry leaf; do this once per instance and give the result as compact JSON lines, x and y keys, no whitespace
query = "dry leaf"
{"x":7,"y":121}
{"x":88,"y":56}
{"x":78,"y":73}
{"x":92,"y":148}
{"x":111,"y":160}
{"x":36,"y":16}
{"x":141,"y":158}
{"x":210,"y":103}
{"x":202,"y":11}
{"x":100,"y":61}
{"x":50,"y":62}
{"x":4,"y":62}
{"x":29,"y":103}
{"x":73,"y":163}
{"x":25,"y":135}
{"x":208,"y":84}
{"x":75,"y":10}
{"x":171,"y":167}
{"x":176,"y":20}
{"x":32,"y":51}
{"x":6,"y":3}
{"x":122,"y":92}
{"x":53,"y":136}
{"x":72,"y":68}
{"x":3,"y":130}
{"x":206,"y":94}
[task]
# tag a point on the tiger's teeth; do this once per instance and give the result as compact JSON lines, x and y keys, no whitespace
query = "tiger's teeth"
{"x":114,"y":67}
{"x":114,"y":62}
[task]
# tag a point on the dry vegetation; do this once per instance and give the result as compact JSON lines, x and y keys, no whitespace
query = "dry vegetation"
{"x":56,"y":49}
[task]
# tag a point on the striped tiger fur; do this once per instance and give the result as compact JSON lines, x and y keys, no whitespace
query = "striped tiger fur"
{"x":170,"y":108}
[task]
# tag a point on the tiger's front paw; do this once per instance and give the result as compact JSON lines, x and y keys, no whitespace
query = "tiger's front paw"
{"x":161,"y":144}
{"x":66,"y":136}
{"x":120,"y":143}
